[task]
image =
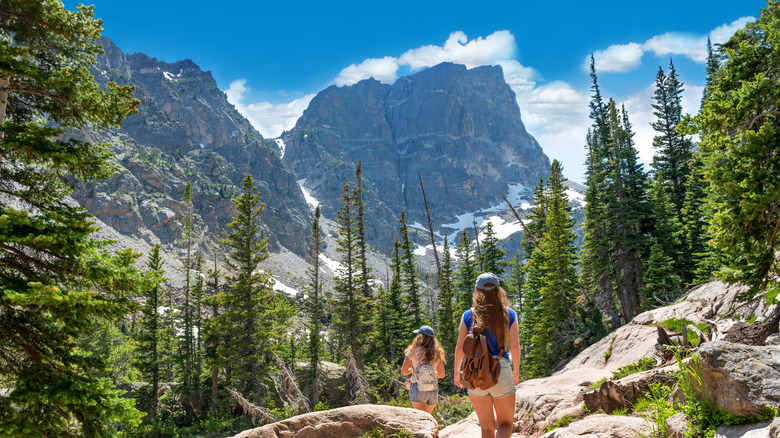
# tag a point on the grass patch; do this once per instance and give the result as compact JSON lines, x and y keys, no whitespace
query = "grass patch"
{"x":597,"y":384}
{"x":377,"y":433}
{"x":562,"y":422}
{"x":644,"y":364}
{"x":608,"y":353}
{"x":452,"y":409}
{"x":677,"y":324}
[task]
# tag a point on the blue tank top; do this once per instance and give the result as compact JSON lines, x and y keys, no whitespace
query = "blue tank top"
{"x":468,"y":318}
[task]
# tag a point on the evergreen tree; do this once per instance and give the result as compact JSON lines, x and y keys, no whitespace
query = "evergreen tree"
{"x":58,"y":282}
{"x":412,"y":289}
{"x":314,"y":305}
{"x":349,"y":309}
{"x":492,"y":254}
{"x":149,"y":356}
{"x":397,"y":312}
{"x":556,"y":310}
{"x":466,"y":275}
{"x":627,"y":209}
{"x":740,"y":146}
{"x":360,"y":222}
{"x":596,"y":259}
{"x":671,"y":168}
{"x":211,"y":334}
{"x":664,"y":283}
{"x":713,"y":65}
{"x":448,"y":323}
{"x":516,"y":283}
{"x":187,"y":347}
{"x":700,"y":259}
{"x":253,"y":316}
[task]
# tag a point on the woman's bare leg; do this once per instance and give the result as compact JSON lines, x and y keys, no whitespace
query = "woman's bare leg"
{"x":483,"y":406}
{"x":505,"y":414}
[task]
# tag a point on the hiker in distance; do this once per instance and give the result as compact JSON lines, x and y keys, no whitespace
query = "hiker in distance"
{"x":425,"y":361}
{"x":489,"y":325}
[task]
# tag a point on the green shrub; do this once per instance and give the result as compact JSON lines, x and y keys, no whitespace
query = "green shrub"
{"x":452,"y":409}
{"x":597,"y":384}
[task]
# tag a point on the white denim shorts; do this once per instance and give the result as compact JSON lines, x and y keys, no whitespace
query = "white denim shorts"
{"x":505,"y":385}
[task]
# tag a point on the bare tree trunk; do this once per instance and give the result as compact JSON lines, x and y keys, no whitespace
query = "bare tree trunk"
{"x":4,"y":84}
{"x":430,"y":229}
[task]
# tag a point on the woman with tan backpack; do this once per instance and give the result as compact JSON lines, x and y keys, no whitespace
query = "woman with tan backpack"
{"x":481,"y":359}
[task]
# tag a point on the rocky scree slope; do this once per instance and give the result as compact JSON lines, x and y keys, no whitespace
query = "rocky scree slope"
{"x":186,"y":130}
{"x":459,"y":129}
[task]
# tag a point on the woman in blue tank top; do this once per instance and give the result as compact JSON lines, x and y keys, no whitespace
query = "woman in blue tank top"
{"x":492,"y":313}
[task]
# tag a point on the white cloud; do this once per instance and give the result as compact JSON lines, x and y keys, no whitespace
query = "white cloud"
{"x":622,"y":58}
{"x":498,"y":46}
{"x":269,"y":119}
{"x":722,"y":33}
{"x":557,"y":116}
{"x":617,"y":58}
{"x":381,"y":69}
{"x":673,"y":43}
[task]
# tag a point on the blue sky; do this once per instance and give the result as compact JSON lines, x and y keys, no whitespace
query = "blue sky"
{"x":272,"y":57}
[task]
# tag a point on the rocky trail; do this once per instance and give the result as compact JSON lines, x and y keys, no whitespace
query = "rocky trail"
{"x":740,"y":379}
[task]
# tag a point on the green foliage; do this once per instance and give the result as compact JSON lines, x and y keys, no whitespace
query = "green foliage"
{"x":555,"y":260}
{"x":349,"y":307}
{"x":677,"y":324}
{"x":466,"y":274}
{"x":58,"y":283}
{"x":492,"y":259}
{"x":656,"y":408}
{"x":409,"y":270}
{"x":740,"y":147}
{"x":377,"y":433}
{"x":597,"y":384}
{"x":448,"y":319}
{"x":314,"y":304}
{"x":643,"y":364}
{"x":207,"y":426}
{"x":562,"y":422}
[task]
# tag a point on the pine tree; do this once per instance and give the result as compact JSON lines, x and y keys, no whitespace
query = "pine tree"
{"x":412,"y":289}
{"x":211,"y":333}
{"x":314,"y":305}
{"x":663,"y":283}
{"x":740,"y":146}
{"x":596,"y":259}
{"x":627,"y":209}
{"x":466,"y":275}
{"x":350,"y":316}
{"x":58,"y":282}
{"x":516,"y":283}
{"x":397,"y":311}
{"x":492,"y":254}
{"x":186,"y":347}
{"x":149,"y":355}
{"x":700,"y":259}
{"x":253,"y":316}
{"x":448,"y":324}
{"x":559,"y":280}
{"x":671,"y":168}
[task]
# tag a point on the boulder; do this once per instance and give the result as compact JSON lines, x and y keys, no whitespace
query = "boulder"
{"x":348,"y":422}
{"x":754,"y":430}
{"x":602,"y":426}
{"x":740,"y":379}
{"x":608,"y":398}
{"x":774,"y":428}
{"x":677,"y":425}
{"x":624,"y":346}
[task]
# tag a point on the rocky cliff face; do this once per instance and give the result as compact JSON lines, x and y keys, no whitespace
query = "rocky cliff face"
{"x":186,"y":131}
{"x":460,"y":130}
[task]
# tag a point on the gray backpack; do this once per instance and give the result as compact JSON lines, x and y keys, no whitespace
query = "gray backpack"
{"x":426,"y":377}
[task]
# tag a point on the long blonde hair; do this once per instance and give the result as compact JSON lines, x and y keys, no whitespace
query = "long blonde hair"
{"x":490,"y":312}
{"x":431,"y":346}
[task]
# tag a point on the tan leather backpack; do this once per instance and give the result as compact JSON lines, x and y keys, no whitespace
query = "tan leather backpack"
{"x":478,"y":369}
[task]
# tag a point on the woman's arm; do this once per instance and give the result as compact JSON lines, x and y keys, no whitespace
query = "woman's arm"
{"x":514,"y":345}
{"x":462,"y":332}
{"x":406,"y":368}
{"x":440,"y":369}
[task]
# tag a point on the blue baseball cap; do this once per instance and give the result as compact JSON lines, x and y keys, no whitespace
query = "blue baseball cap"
{"x":485,"y":279}
{"x":425,"y":330}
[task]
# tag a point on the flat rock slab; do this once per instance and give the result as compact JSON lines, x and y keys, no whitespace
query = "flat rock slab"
{"x":602,"y":426}
{"x":756,"y":430}
{"x":349,"y":422}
